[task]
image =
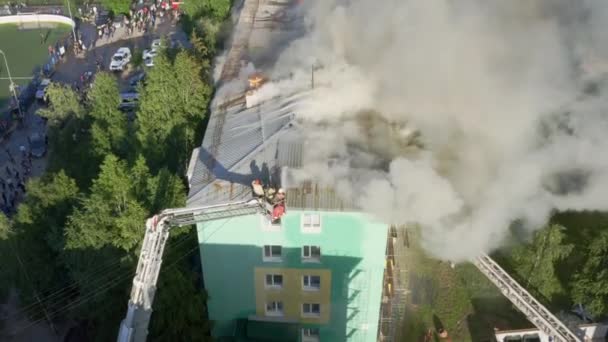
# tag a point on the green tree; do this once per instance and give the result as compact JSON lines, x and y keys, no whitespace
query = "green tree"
{"x":63,"y":103}
{"x":38,"y":236}
{"x":537,"y":263}
{"x":137,"y":60}
{"x":109,"y":129}
{"x":590,"y":283}
{"x":5,"y":249}
{"x":117,"y":6}
{"x":172,"y":105}
{"x":5,"y":230}
{"x":165,"y":190}
{"x":179,"y":307}
{"x":213,"y":9}
{"x":110,"y":215}
{"x":202,"y":52}
{"x":69,"y":133}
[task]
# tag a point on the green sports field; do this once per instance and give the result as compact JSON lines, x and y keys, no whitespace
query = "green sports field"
{"x":24,"y":51}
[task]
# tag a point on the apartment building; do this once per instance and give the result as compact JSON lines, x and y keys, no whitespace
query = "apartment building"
{"x":315,"y":277}
{"x":318,"y":274}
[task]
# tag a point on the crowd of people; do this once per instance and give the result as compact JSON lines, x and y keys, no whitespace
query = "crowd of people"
{"x":141,"y":17}
{"x":12,"y":180}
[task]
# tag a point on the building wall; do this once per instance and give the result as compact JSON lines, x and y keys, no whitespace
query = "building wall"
{"x":291,"y":293}
{"x":351,"y":268}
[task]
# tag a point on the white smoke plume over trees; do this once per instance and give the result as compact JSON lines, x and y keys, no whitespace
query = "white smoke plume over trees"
{"x":462,"y":116}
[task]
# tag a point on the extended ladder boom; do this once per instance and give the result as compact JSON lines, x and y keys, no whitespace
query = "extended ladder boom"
{"x":534,"y":311}
{"x":134,"y":328}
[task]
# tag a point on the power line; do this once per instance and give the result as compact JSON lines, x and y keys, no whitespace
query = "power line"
{"x":35,"y":292}
{"x":100,"y":290}
{"x":106,"y":287}
{"x":64,"y":293}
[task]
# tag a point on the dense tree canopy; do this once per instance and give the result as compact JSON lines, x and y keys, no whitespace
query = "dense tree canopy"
{"x":214,"y":9}
{"x":117,"y":6}
{"x":537,"y":262}
{"x":566,"y":264}
{"x":64,"y":103}
{"x":109,"y":130}
{"x":79,"y":230}
{"x":38,"y":236}
{"x":590,"y":285}
{"x":172,"y":103}
{"x":110,"y":214}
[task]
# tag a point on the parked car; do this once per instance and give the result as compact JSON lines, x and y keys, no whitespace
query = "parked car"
{"x":41,"y":90}
{"x":37,"y":145}
{"x":154,"y":48}
{"x":150,"y":54}
{"x":121,"y":58}
{"x":128,"y":101}
{"x":149,"y":62}
{"x":137,"y":78}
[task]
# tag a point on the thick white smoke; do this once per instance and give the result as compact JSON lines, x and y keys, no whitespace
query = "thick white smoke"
{"x":492,"y":87}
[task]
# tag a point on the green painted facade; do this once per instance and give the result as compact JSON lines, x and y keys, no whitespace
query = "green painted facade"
{"x":352,"y":248}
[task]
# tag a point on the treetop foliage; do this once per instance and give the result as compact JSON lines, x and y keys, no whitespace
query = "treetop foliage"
{"x":81,"y":225}
{"x":64,"y":102}
{"x":117,"y":6}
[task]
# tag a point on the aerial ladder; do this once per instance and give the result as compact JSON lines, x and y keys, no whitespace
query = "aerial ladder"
{"x":536,"y":313}
{"x":134,"y":327}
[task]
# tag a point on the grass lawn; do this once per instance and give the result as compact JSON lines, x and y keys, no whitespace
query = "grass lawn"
{"x":24,"y":52}
{"x":461,"y":300}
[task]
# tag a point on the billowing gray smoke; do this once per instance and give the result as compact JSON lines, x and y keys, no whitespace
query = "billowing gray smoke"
{"x":462,"y":116}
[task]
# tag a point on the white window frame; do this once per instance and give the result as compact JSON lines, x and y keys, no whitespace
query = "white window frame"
{"x":311,"y":223}
{"x":273,"y":284}
{"x":311,"y":314}
{"x":309,"y":257}
{"x":306,"y":282}
{"x":310,"y":334}
{"x":272,"y":257}
{"x":275,"y":312}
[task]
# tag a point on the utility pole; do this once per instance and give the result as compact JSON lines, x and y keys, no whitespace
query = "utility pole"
{"x":12,"y":85}
{"x":76,"y":43}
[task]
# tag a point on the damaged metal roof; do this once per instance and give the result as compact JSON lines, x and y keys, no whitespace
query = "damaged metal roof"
{"x":259,"y":142}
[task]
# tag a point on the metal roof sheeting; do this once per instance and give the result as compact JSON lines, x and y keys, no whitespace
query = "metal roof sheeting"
{"x":257,"y":143}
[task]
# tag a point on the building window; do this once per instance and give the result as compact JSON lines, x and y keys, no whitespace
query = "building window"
{"x":311,"y":282}
{"x":272,"y":253}
{"x":310,"y":334}
{"x":311,"y":310}
{"x":267,"y":225}
{"x":274,"y":280}
{"x":311,"y":253}
{"x":311,"y":223}
{"x":274,"y":309}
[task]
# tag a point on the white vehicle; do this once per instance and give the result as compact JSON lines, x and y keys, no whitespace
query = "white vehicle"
{"x":156,"y":44}
{"x":121,"y":58}
{"x":153,"y":50}
{"x":149,"y":62}
{"x":150,"y":53}
{"x":41,"y":91}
